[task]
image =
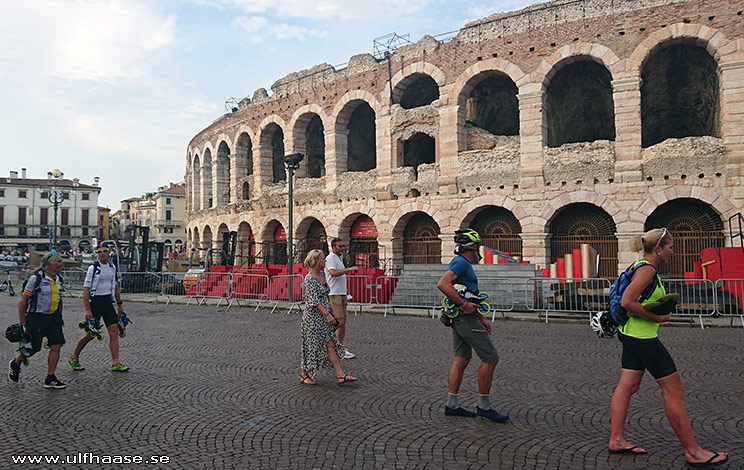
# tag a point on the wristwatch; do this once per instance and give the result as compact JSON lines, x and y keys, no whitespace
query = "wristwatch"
{"x":118,"y":303}
{"x":463,"y":303}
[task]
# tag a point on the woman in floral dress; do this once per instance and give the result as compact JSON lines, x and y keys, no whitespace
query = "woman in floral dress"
{"x":320,"y":348}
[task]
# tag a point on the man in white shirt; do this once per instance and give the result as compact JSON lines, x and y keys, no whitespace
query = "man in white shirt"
{"x":336,"y":278}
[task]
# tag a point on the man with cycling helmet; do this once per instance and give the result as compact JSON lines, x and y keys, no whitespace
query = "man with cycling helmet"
{"x":469,"y":329}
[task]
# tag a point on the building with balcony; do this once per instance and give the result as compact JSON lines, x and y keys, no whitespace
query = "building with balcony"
{"x":170,"y":210}
{"x":27,"y":211}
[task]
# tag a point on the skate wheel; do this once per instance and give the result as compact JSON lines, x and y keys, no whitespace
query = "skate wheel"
{"x":484,"y":309}
{"x":122,"y":334}
{"x":447,"y":303}
{"x":485,"y":297}
{"x":46,"y":344}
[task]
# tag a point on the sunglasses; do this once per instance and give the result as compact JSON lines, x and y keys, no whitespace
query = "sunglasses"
{"x":102,"y":250}
{"x":664,"y":233}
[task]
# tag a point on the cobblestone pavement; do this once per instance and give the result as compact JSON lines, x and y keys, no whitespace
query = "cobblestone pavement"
{"x":218,"y":388}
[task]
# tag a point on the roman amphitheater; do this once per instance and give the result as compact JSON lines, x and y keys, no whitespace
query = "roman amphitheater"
{"x":563,"y":123}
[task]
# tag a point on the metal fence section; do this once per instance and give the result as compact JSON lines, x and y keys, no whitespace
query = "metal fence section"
{"x":578,"y":295}
{"x":402,"y":292}
{"x":730,"y":298}
{"x":209,"y":286}
{"x":279,"y":290}
{"x":139,"y":283}
{"x":501,"y":292}
{"x":74,"y":279}
{"x":171,"y":285}
{"x":249,"y":287}
{"x":697,"y":297}
{"x":362,"y":291}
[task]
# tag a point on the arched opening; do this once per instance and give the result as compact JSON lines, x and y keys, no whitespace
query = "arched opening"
{"x":419,"y":149}
{"x":244,"y":155}
{"x":278,"y":246}
{"x":206,"y":241}
{"x":245,"y":250}
{"x":84,"y":245}
{"x":311,"y":235}
{"x":274,"y":137}
{"x":207,"y":201}
{"x":196,"y":183}
{"x":679,"y":94}
{"x":421,"y":243}
{"x":364,"y":251}
{"x":315,"y":148}
{"x":223,"y":174}
{"x":493,"y":105}
{"x":246,"y":191}
{"x":499,"y":230}
{"x":421,"y":90}
{"x":694,"y":226}
{"x":580,"y":223}
{"x":196,"y":241}
{"x":579,"y":105}
{"x":362,"y":149}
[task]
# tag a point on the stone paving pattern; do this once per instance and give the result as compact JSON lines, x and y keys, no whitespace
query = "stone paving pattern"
{"x":218,"y":388}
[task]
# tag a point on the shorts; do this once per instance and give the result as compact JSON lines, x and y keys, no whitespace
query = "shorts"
{"x":642,"y":354}
{"x":468,"y":333}
{"x":40,"y":325}
{"x":338,"y":305}
{"x":102,"y":307}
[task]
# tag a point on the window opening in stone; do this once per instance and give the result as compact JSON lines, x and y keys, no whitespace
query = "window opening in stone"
{"x":361,"y":140}
{"x":500,"y":230}
{"x":585,"y":223}
{"x":196,"y":183}
{"x":207,"y":237}
{"x":417,"y":150}
{"x":421,"y":91}
{"x":277,"y":152}
{"x":315,"y":148}
{"x":679,"y":95}
{"x":246,"y":246}
{"x":207,"y":179}
{"x":579,"y":104}
{"x":246,"y":191}
{"x":223,"y":174}
{"x":694,"y":226}
{"x":244,"y":155}
{"x":421,"y":242}
{"x":493,"y":105}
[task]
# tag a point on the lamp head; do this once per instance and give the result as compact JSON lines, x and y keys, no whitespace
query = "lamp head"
{"x":293,"y":160}
{"x":57,"y":173}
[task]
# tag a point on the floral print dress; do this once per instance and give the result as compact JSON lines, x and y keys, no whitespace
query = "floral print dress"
{"x":316,"y":331}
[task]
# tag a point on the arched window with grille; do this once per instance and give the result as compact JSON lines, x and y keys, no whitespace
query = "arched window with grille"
{"x":421,"y":242}
{"x":499,"y":230}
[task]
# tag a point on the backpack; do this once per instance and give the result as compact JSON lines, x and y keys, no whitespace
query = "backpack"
{"x":97,"y":271}
{"x":31,"y":305}
{"x":617,"y":311}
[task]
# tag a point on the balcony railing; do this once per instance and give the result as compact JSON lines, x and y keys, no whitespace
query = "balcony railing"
{"x":42,"y":231}
{"x":169,"y":223}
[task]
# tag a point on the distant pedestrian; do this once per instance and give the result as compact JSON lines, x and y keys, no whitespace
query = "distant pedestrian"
{"x":336,"y":273}
{"x":643,"y":350}
{"x":40,"y":312}
{"x":100,"y":291}
{"x":320,"y":347}
{"x":470,"y":330}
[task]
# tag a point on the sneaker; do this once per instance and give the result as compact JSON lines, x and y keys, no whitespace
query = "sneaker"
{"x":349,"y":355}
{"x":459,"y":411}
{"x":119,"y":368}
{"x":53,"y":382}
{"x":492,"y":415}
{"x":14,"y":371}
{"x":75,"y":365}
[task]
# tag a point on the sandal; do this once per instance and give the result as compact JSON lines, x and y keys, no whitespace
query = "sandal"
{"x":346,"y":378}
{"x":306,"y":380}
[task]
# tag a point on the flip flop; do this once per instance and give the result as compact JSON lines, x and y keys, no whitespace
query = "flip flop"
{"x":629,"y":450}
{"x":306,"y":380}
{"x":345,"y":378}
{"x":708,"y":463}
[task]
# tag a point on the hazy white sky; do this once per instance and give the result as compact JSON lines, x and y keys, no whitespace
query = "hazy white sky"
{"x":117,"y":88}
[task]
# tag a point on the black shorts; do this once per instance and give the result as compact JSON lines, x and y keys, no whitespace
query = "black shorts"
{"x":642,"y":354}
{"x":102,"y":307}
{"x":41,"y":325}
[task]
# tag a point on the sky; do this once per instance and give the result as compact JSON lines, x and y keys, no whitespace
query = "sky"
{"x":117,"y":88}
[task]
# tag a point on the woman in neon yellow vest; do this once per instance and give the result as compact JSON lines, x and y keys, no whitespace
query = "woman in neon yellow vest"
{"x":642,"y":350}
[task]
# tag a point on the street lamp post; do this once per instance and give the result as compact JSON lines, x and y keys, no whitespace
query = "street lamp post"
{"x":56,"y":197}
{"x":292,"y":161}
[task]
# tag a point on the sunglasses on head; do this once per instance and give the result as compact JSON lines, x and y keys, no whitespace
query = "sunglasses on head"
{"x":664,"y":233}
{"x":102,"y":250}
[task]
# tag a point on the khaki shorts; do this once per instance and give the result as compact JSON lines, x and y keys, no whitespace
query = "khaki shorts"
{"x":338,"y":305}
{"x":468,"y":333}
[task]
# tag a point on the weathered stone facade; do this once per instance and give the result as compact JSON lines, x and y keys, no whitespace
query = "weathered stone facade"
{"x":531,"y":111}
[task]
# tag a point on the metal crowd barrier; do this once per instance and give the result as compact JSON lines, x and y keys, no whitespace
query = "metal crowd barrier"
{"x":171,"y":284}
{"x":362,"y":291}
{"x":279,"y":290}
{"x":566,"y":295}
{"x":210,"y":285}
{"x":249,"y":287}
{"x":502,"y":294}
{"x":139,"y":283}
{"x":730,"y":298}
{"x":399,"y":292}
{"x":697,"y":297}
{"x":74,"y":279}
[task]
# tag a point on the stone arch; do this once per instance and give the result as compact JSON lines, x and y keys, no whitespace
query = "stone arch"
{"x":196,"y":241}
{"x":409,"y":74}
{"x":499,"y":228}
{"x":421,"y":240}
{"x":356,"y":125}
{"x":574,"y":52}
{"x":311,"y":234}
{"x":222,"y":174}
{"x":243,"y":164}
{"x":207,"y":178}
{"x":308,"y":126}
{"x":196,"y":183}
{"x":274,"y":247}
{"x":246,"y":245}
{"x":271,"y":145}
{"x":207,"y":237}
{"x":399,"y":218}
{"x":342,"y":112}
{"x":578,"y":102}
{"x":710,"y":196}
{"x":580,"y":223}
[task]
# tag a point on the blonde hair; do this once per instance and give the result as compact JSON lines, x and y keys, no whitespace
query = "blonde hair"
{"x":648,"y":241}
{"x":45,"y":259}
{"x":311,"y":260}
